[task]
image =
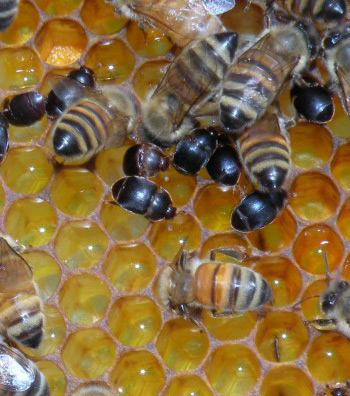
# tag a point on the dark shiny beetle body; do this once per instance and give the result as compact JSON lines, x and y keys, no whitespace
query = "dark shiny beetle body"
{"x":144,"y":160}
{"x":24,"y":109}
{"x":313,"y":103}
{"x":224,"y":166}
{"x":4,"y":137}
{"x":257,"y":210}
{"x":141,"y":196}
{"x":55,"y":105}
{"x":193,"y":152}
{"x":8,"y":12}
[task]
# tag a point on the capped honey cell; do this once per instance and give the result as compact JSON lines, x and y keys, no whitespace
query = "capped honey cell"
{"x":111,"y":60}
{"x":100,"y":18}
{"x":31,"y":221}
{"x":314,"y":196}
{"x":180,"y":187}
{"x":54,"y":334}
{"x":149,"y":42}
{"x":244,"y":20}
{"x":120,"y":224}
{"x":88,"y":353}
{"x":343,"y":220}
{"x":286,"y":380}
{"x":311,"y":145}
{"x":23,"y":134}
{"x":54,"y":375}
{"x":187,"y":385}
{"x":311,"y":245}
{"x":340,"y":123}
{"x":283,"y":277}
{"x":134,"y":320}
{"x":130,"y":267}
{"x":281,"y":337}
{"x":167,"y":236}
{"x":221,"y":202}
{"x":46,"y":272}
{"x":148,"y":76}
{"x":76,"y":191}
{"x":84,"y":299}
{"x":20,"y":68}
{"x":90,"y":238}
{"x":232,"y":370}
{"x":276,"y":236}
{"x":58,"y":7}
{"x":328,"y":358}
{"x":23,"y":26}
{"x":27,"y":169}
{"x":340,"y":166}
{"x":61,"y":42}
{"x":182,"y":345}
{"x":137,"y":373}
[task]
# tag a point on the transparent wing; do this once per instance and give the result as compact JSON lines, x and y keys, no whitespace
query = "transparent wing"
{"x":13,"y":268}
{"x":17,"y":374}
{"x":344,"y":80}
{"x":217,"y":7}
{"x":70,"y":91}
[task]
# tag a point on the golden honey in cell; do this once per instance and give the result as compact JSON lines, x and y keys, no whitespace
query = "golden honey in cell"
{"x":19,"y":375}
{"x":8,"y":12}
{"x":224,"y":287}
{"x":264,"y":150}
{"x":94,"y":120}
{"x":21,"y":314}
{"x":93,"y":389}
{"x":336,"y":46}
{"x":191,"y":79}
{"x":257,"y":76}
{"x":182,"y":20}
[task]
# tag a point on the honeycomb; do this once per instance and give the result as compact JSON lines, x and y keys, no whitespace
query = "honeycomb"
{"x":96,"y":265}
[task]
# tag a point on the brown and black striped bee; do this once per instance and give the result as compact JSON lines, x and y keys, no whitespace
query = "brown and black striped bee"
{"x":19,"y":375}
{"x":8,"y":12}
{"x":336,"y":390}
{"x":191,"y":79}
{"x":264,"y":150}
{"x":256,"y":77}
{"x":21,"y":314}
{"x":224,"y":288}
{"x":95,"y":120}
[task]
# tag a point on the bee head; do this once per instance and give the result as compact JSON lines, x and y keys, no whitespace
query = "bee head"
{"x":335,"y":36}
{"x":332,"y":295}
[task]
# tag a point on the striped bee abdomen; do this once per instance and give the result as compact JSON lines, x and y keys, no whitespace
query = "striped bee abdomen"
{"x":81,"y":131}
{"x":8,"y":11}
{"x":265,"y":154}
{"x":22,"y":317}
{"x":229,"y":287}
{"x":250,"y":86}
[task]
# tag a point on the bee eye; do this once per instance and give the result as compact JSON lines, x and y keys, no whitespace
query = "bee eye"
{"x":329,"y":302}
{"x":331,"y":40}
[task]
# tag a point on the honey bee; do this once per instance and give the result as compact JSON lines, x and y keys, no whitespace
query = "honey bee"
{"x":337,"y":390}
{"x":228,"y":288}
{"x":19,"y":375}
{"x":93,"y":121}
{"x":264,"y":151}
{"x":21,"y":313}
{"x":193,"y":77}
{"x":325,"y":12}
{"x":8,"y":12}
{"x":336,"y":47}
{"x":256,"y":77}
{"x":182,"y":20}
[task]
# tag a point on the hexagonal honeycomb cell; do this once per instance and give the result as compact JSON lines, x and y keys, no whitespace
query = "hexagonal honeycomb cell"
{"x":97,"y":265}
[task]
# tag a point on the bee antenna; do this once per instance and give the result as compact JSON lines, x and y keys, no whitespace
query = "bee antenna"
{"x":326,"y":264}
{"x":305,"y":299}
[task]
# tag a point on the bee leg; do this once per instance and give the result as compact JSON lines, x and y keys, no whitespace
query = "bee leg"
{"x":183,"y":311}
{"x":217,"y":314}
{"x":323,"y":322}
{"x":229,"y":252}
{"x":277,"y":349}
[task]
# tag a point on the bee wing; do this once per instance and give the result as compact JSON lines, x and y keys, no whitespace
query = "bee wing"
{"x":217,"y":7}
{"x":68,"y":90}
{"x":13,"y":268}
{"x":344,"y":80}
{"x":17,"y":374}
